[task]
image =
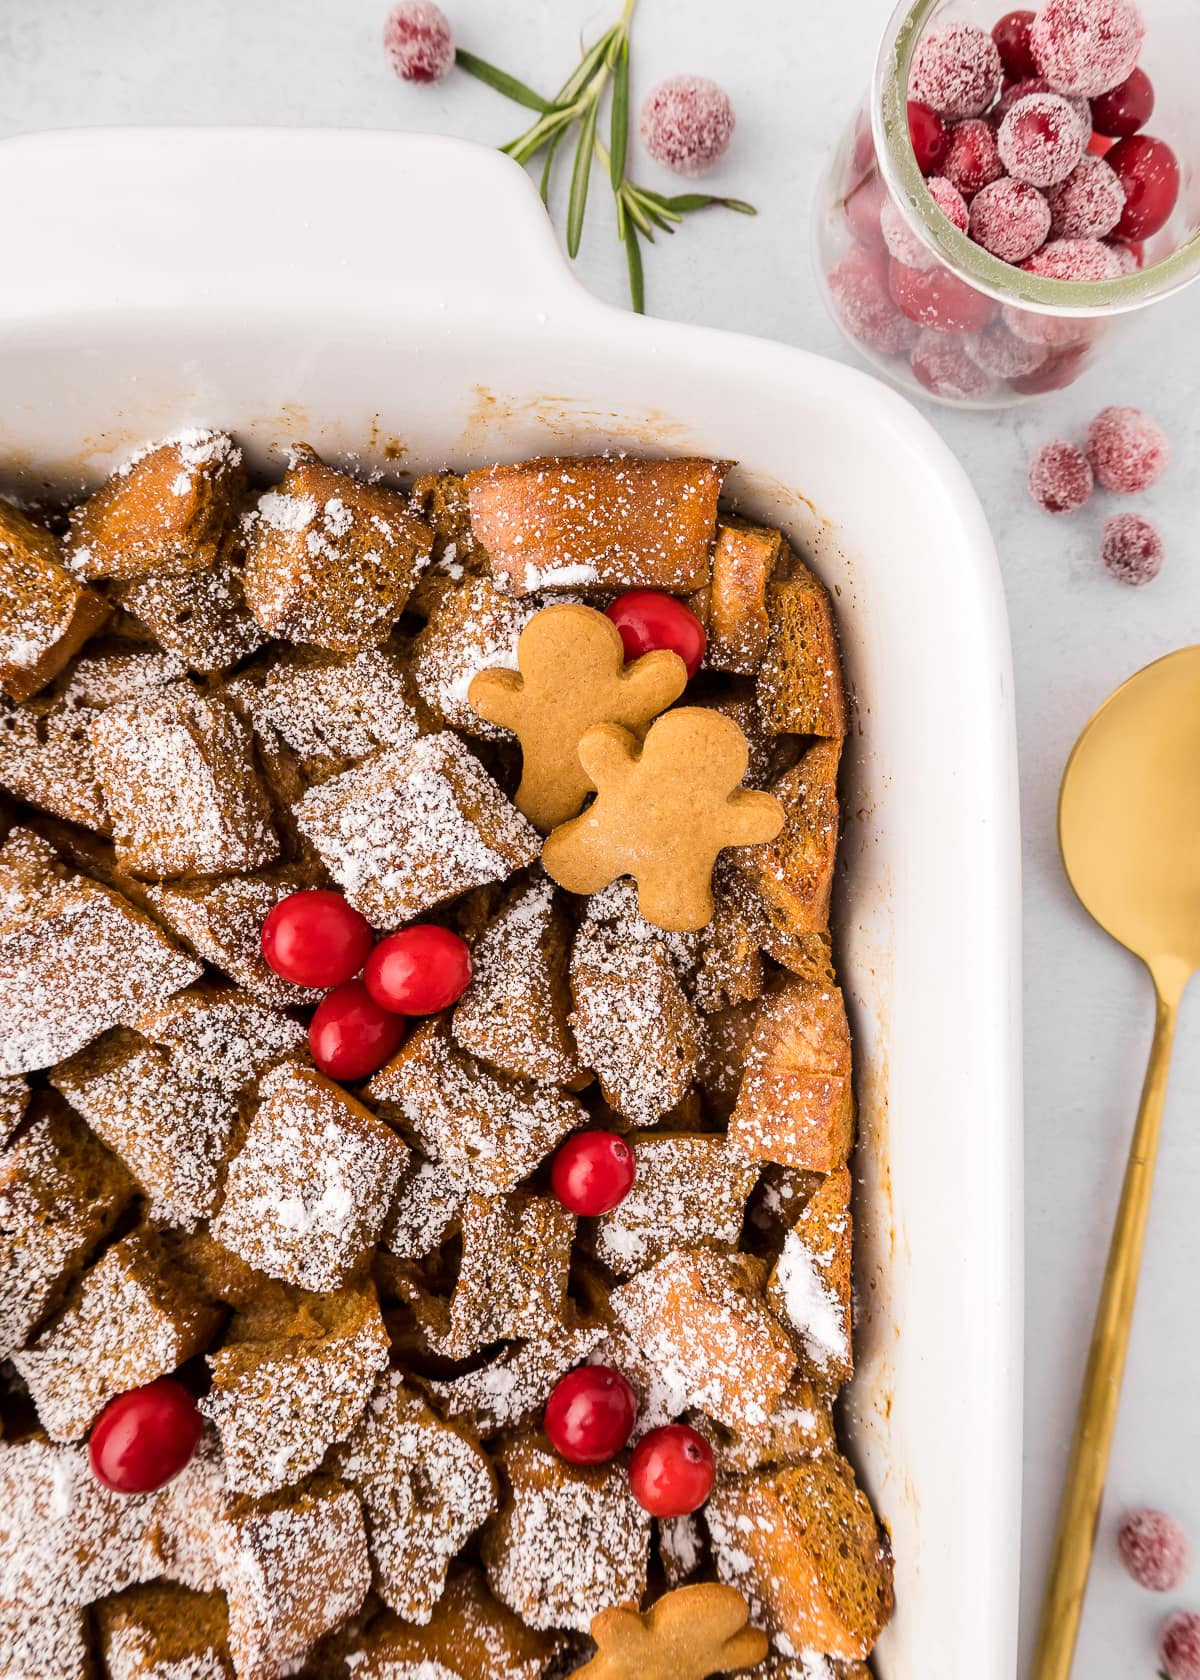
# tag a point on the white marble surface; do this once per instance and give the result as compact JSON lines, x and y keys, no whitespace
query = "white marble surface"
{"x":794,"y":68}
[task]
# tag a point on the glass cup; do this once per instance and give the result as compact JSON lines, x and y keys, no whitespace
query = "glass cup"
{"x":993,"y":335}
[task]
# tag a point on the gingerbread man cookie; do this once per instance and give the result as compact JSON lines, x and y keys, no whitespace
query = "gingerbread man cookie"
{"x":686,"y":1635}
{"x":572,"y":675}
{"x":663,"y":810}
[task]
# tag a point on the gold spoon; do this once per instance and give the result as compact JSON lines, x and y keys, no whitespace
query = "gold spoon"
{"x":1129,"y":829}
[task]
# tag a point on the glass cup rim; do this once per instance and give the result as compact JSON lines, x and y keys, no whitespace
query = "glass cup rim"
{"x":999,"y":280}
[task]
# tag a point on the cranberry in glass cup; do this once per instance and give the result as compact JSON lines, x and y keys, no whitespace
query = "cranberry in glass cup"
{"x":932,"y":309}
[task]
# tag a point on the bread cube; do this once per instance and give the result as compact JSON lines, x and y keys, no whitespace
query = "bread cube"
{"x":489,"y":1130}
{"x":291,"y":1378}
{"x":75,"y":958}
{"x":332,"y":561}
{"x":739,"y":627}
{"x":803,"y":1544}
{"x":297,"y":1566}
{"x":222,"y":1032}
{"x":427,"y":1209}
{"x":690,"y":1190}
{"x":164,"y":1632}
{"x":190,"y":1535}
{"x":178,"y":774}
{"x":46,"y":759}
{"x":780,"y":1197}
{"x":442,"y":501}
{"x":199,"y":616}
{"x":800,"y":688}
{"x":137,"y":1314}
{"x":425,"y":1486}
{"x":472,"y":628}
{"x":512,"y":1389}
{"x":512,"y":1281}
{"x":795,"y":1104}
{"x":703,"y":1315}
{"x":310,"y":1188}
{"x":568,"y":1541}
{"x":170,"y":508}
{"x":809,"y":1286}
{"x":45,"y":1642}
{"x":468,"y":1635}
{"x":64,"y":1539}
{"x":221,"y":920}
{"x":112,"y":669}
{"x":61,"y":1192}
{"x":408,"y":829}
{"x":514,"y":1013}
{"x":792,"y":875}
{"x":333,"y":709}
{"x":171,"y":1123}
{"x":800,"y":1426}
{"x":605,"y":521}
{"x":730,"y":969}
{"x":662,"y":1390}
{"x":14,"y":1100}
{"x":632,"y":1021}
{"x":46,"y":615}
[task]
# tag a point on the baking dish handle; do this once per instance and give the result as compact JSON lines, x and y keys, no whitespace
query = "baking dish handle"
{"x":161,"y":217}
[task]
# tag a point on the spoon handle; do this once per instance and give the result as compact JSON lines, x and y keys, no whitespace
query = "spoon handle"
{"x":1088,"y":1465}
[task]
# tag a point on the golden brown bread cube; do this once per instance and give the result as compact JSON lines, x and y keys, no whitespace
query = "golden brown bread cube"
{"x":137,"y":1314}
{"x":803,"y":1544}
{"x":14,"y":1100}
{"x":597,"y":521}
{"x":46,"y":759}
{"x":221,"y":918}
{"x":791,"y":876}
{"x":743,"y":563}
{"x":330,"y":560}
{"x":470,"y":1636}
{"x":223,"y":1033}
{"x":46,"y":615}
{"x":199,"y":616}
{"x":427,"y":1208}
{"x":512,"y":1280}
{"x":780,"y":1197}
{"x":178,"y":776}
{"x":333,"y":709}
{"x":795,"y":1104}
{"x":800,"y":688}
{"x":800,"y":1426}
{"x":730,"y":968}
{"x":441,"y":500}
{"x":170,"y":508}
{"x":158,"y":1630}
{"x":512,"y":1388}
{"x":45,"y":1642}
{"x":690,"y":1191}
{"x":809,"y":1288}
{"x":472,"y":628}
{"x":113,"y":668}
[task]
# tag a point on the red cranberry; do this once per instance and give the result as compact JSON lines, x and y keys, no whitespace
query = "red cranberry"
{"x":1010,"y":219}
{"x":929,"y":136}
{"x":863,"y":207}
{"x":956,"y":72}
{"x":1058,"y":371}
{"x":671,"y":1472}
{"x":1149,"y":172}
{"x":418,"y":41}
{"x":944,"y":366}
{"x":1060,"y":477}
{"x":143,"y":1439}
{"x":419,"y":970}
{"x":687,"y":123}
{"x":1155,"y":1550}
{"x":592,"y":1172}
{"x":1126,"y":108}
{"x":858,"y":286}
{"x":315,"y":939}
{"x":933,"y":297}
{"x":1087,"y":46}
{"x":350,"y":1036}
{"x":1179,"y":1646}
{"x":972,"y":159}
{"x":1011,"y":36}
{"x":904,"y":243}
{"x":590,"y":1414}
{"x":1041,"y":139}
{"x":649,"y":620}
{"x":1128,"y":450}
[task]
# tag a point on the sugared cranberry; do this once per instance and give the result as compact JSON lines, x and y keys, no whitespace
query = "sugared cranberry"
{"x":649,"y":621}
{"x":1129,"y":452}
{"x":929,"y":136}
{"x":1078,"y":260}
{"x":1041,"y":139}
{"x":1179,"y":1646}
{"x":593,"y":1172}
{"x":350,"y":1036}
{"x":1149,"y":172}
{"x":1088,"y":204}
{"x":1051,"y":332}
{"x":904,"y":243}
{"x":143,"y":1439}
{"x":1060,"y":477}
{"x":315,"y":939}
{"x":1010,"y":219}
{"x":418,"y":41}
{"x":590,"y":1414}
{"x":1126,"y":108}
{"x":1001,"y":353}
{"x":1087,"y":46}
{"x":687,"y":123}
{"x":1132,"y":258}
{"x":863,"y":207}
{"x":933,"y":297}
{"x":943,"y":365}
{"x":1011,"y":36}
{"x":1132,"y":548}
{"x":671,"y":1472}
{"x":1014,"y":92}
{"x":1155,"y":1550}
{"x":419,"y":970}
{"x":858,"y":286}
{"x":972,"y":158}
{"x":1059,"y":370}
{"x":956,"y":73}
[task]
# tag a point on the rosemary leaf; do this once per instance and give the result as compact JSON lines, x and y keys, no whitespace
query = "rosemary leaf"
{"x":684,"y":202}
{"x":637,"y":278}
{"x":619,"y":135}
{"x":501,"y":81}
{"x":580,"y":177}
{"x":548,"y":166}
{"x":545,"y":128}
{"x":586,"y":68}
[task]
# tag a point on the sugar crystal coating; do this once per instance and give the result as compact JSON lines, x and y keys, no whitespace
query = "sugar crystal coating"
{"x":1154,"y":1549}
{"x":1088,"y":204}
{"x":1087,"y":46}
{"x":859,"y":288}
{"x":904,"y":243}
{"x":946,"y":368}
{"x":956,"y":71}
{"x":972,"y":159}
{"x":1041,"y":139}
{"x":687,"y":123}
{"x":1128,"y":450}
{"x":1179,"y":1646}
{"x":1079,"y":260}
{"x":1132,"y":548}
{"x":418,"y":41}
{"x":1060,"y":477}
{"x":1010,"y":219}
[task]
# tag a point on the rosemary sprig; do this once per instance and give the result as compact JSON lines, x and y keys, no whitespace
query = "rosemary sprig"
{"x":604,"y":67}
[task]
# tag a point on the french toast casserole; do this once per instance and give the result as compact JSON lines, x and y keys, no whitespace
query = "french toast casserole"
{"x":425,"y":1089}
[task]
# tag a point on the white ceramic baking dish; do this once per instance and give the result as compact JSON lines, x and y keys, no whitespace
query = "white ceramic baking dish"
{"x":400,"y":301}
